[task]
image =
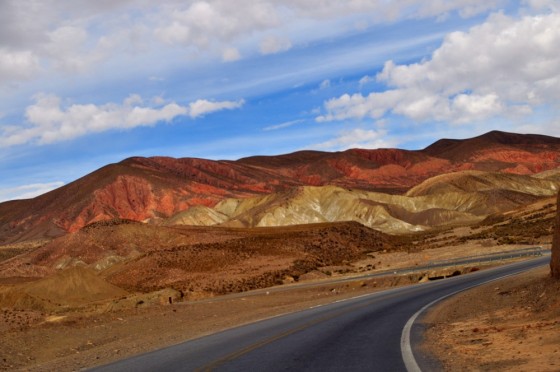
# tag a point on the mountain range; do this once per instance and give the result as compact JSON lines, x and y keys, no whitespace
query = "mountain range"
{"x":394,"y":190}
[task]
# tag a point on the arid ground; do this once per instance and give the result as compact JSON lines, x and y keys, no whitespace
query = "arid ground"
{"x":145,"y":253}
{"x":85,"y":336}
{"x":508,"y":325}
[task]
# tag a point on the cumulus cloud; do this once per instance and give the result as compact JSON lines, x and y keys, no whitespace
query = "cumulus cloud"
{"x":503,"y":67}
{"x":272,"y":45}
{"x":357,"y":138}
{"x":17,"y":65}
{"x":80,"y":35}
{"x":55,"y":35}
{"x":211,"y":23}
{"x":203,"y":23}
{"x":64,"y":43}
{"x":49,"y":121}
{"x":27,"y":191}
{"x":543,"y":4}
{"x":231,"y":55}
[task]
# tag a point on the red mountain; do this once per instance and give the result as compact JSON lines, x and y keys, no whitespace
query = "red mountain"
{"x":148,"y":188}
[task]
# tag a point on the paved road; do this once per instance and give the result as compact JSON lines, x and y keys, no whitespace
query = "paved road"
{"x":359,"y":334}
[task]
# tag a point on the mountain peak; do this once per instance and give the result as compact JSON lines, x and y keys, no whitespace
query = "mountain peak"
{"x":508,"y":138}
{"x":461,"y":150}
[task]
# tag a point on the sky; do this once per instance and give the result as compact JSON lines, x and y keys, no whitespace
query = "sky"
{"x":87,"y":83}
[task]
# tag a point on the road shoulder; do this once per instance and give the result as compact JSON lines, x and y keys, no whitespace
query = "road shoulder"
{"x":511,"y":324}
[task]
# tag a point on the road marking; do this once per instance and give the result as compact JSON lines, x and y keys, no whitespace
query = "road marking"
{"x":406,"y":346}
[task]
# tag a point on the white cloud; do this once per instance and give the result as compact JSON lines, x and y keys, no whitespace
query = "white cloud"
{"x":272,"y":45}
{"x":357,"y":138}
{"x":286,"y":124}
{"x":325,"y":84}
{"x":27,"y":191}
{"x":133,"y":99}
{"x":503,"y":67}
{"x":204,"y":23}
{"x":49,"y":121}
{"x":552,"y":5}
{"x":65,"y":46}
{"x":231,"y":55}
{"x":56,"y":35}
{"x":17,"y":65}
{"x":81,"y":35}
{"x":202,"y":107}
{"x":158,"y":100}
{"x":365,"y":80}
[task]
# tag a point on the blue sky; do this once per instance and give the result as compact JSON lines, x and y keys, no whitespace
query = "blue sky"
{"x":84,"y":84}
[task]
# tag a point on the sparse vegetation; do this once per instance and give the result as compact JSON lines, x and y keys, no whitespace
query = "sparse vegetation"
{"x":12,"y":250}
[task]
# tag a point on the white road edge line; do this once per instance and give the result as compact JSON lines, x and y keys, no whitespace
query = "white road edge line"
{"x":406,"y":347}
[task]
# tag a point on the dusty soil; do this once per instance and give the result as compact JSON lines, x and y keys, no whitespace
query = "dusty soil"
{"x":42,"y":329}
{"x":71,"y":338}
{"x":510,"y":325}
{"x":35,"y":341}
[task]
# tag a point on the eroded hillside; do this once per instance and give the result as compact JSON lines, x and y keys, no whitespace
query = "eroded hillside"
{"x":195,"y":260}
{"x":150,"y":189}
{"x":460,"y":198}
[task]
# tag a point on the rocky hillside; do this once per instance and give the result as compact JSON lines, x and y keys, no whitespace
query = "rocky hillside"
{"x":198,"y":260}
{"x":153,"y":188}
{"x":459,"y":198}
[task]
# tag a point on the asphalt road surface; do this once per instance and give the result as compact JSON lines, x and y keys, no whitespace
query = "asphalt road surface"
{"x":359,"y":334}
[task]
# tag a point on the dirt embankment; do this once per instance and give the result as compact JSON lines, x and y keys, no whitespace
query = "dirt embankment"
{"x":510,"y":325}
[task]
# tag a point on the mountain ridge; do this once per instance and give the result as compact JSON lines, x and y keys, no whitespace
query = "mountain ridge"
{"x":145,"y":189}
{"x":451,"y":199}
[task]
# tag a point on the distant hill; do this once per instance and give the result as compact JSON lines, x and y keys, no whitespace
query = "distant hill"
{"x":151,"y":189}
{"x":141,"y":257}
{"x":451,"y":199}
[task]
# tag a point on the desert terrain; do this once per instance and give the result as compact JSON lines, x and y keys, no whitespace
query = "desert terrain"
{"x":509,"y":325}
{"x":76,"y":318}
{"x":80,"y":332}
{"x":145,"y":253}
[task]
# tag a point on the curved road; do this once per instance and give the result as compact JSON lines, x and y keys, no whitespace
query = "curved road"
{"x":358,"y":334}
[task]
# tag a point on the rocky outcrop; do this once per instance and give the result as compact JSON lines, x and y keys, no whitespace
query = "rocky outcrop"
{"x":555,"y":258}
